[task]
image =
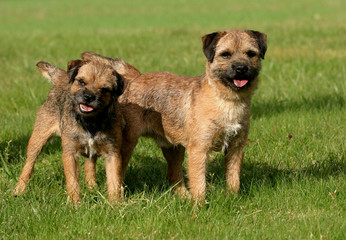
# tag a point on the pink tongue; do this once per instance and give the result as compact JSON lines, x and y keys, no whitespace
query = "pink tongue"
{"x":240,"y":83}
{"x":86,"y":108}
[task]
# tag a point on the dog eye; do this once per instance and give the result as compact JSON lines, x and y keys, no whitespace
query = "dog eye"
{"x":251,"y":54}
{"x":226,"y":55}
{"x":81,"y":82}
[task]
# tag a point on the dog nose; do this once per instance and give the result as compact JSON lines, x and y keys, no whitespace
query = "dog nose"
{"x":241,"y":69}
{"x":88,"y":97}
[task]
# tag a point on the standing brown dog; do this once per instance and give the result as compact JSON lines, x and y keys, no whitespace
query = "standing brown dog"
{"x":82,"y":107}
{"x":204,"y":113}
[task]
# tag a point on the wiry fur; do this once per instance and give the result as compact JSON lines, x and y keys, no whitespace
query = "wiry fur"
{"x":202,"y":114}
{"x":89,"y":134}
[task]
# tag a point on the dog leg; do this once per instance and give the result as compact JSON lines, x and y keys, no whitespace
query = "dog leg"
{"x":90,"y":169}
{"x":43,"y":130}
{"x":175,"y":159}
{"x":113,"y":165}
{"x":126,"y":155}
{"x":71,"y":174}
{"x":71,"y":169}
{"x":233,"y":161}
{"x":197,"y":160}
{"x":130,"y":138}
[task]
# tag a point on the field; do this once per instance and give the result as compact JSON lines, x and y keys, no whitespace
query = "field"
{"x":291,"y":187}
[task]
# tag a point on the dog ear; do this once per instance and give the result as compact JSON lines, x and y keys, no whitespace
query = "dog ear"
{"x":88,"y":56}
{"x":126,"y":70}
{"x":261,"y":39}
{"x":209,"y":44}
{"x":120,"y":84}
{"x":51,"y":72}
{"x":72,"y":69}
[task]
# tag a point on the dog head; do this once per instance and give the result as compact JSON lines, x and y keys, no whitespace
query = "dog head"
{"x":234,"y":57}
{"x":95,"y":86}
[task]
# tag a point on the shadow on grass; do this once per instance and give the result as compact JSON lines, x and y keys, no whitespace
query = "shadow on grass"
{"x":148,"y":174}
{"x":144,"y":173}
{"x":14,"y":151}
{"x":265,"y":174}
{"x":275,"y":106}
{"x":11,"y":151}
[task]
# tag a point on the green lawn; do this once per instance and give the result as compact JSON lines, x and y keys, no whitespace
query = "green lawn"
{"x":291,"y":188}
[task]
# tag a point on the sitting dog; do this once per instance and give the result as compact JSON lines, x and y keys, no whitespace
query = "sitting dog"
{"x":82,"y":107}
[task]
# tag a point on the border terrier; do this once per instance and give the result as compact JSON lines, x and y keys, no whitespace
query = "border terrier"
{"x":202,"y":114}
{"x":82,"y":108}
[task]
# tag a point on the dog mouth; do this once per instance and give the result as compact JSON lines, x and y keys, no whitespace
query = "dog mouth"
{"x":85,"y":108}
{"x":240,"y":83}
{"x":237,"y":83}
{"x":238,"y":77}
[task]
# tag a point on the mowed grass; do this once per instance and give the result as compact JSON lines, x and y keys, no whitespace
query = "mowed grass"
{"x":291,"y":188}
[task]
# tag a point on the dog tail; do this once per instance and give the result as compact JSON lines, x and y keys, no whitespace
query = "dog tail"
{"x":52,"y":73}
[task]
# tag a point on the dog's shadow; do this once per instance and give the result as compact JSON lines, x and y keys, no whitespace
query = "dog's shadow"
{"x":148,"y":174}
{"x":143,"y":174}
{"x":147,"y":169}
{"x":265,"y":175}
{"x":273,"y":107}
{"x":14,"y":151}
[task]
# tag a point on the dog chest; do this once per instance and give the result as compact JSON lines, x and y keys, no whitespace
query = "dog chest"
{"x":232,"y":119}
{"x":91,"y":146}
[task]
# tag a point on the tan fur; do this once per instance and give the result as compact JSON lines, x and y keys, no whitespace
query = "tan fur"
{"x":90,"y":134}
{"x":202,"y":114}
{"x":126,"y":70}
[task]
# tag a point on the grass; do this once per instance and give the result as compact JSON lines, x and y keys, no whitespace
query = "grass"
{"x":291,"y":188}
